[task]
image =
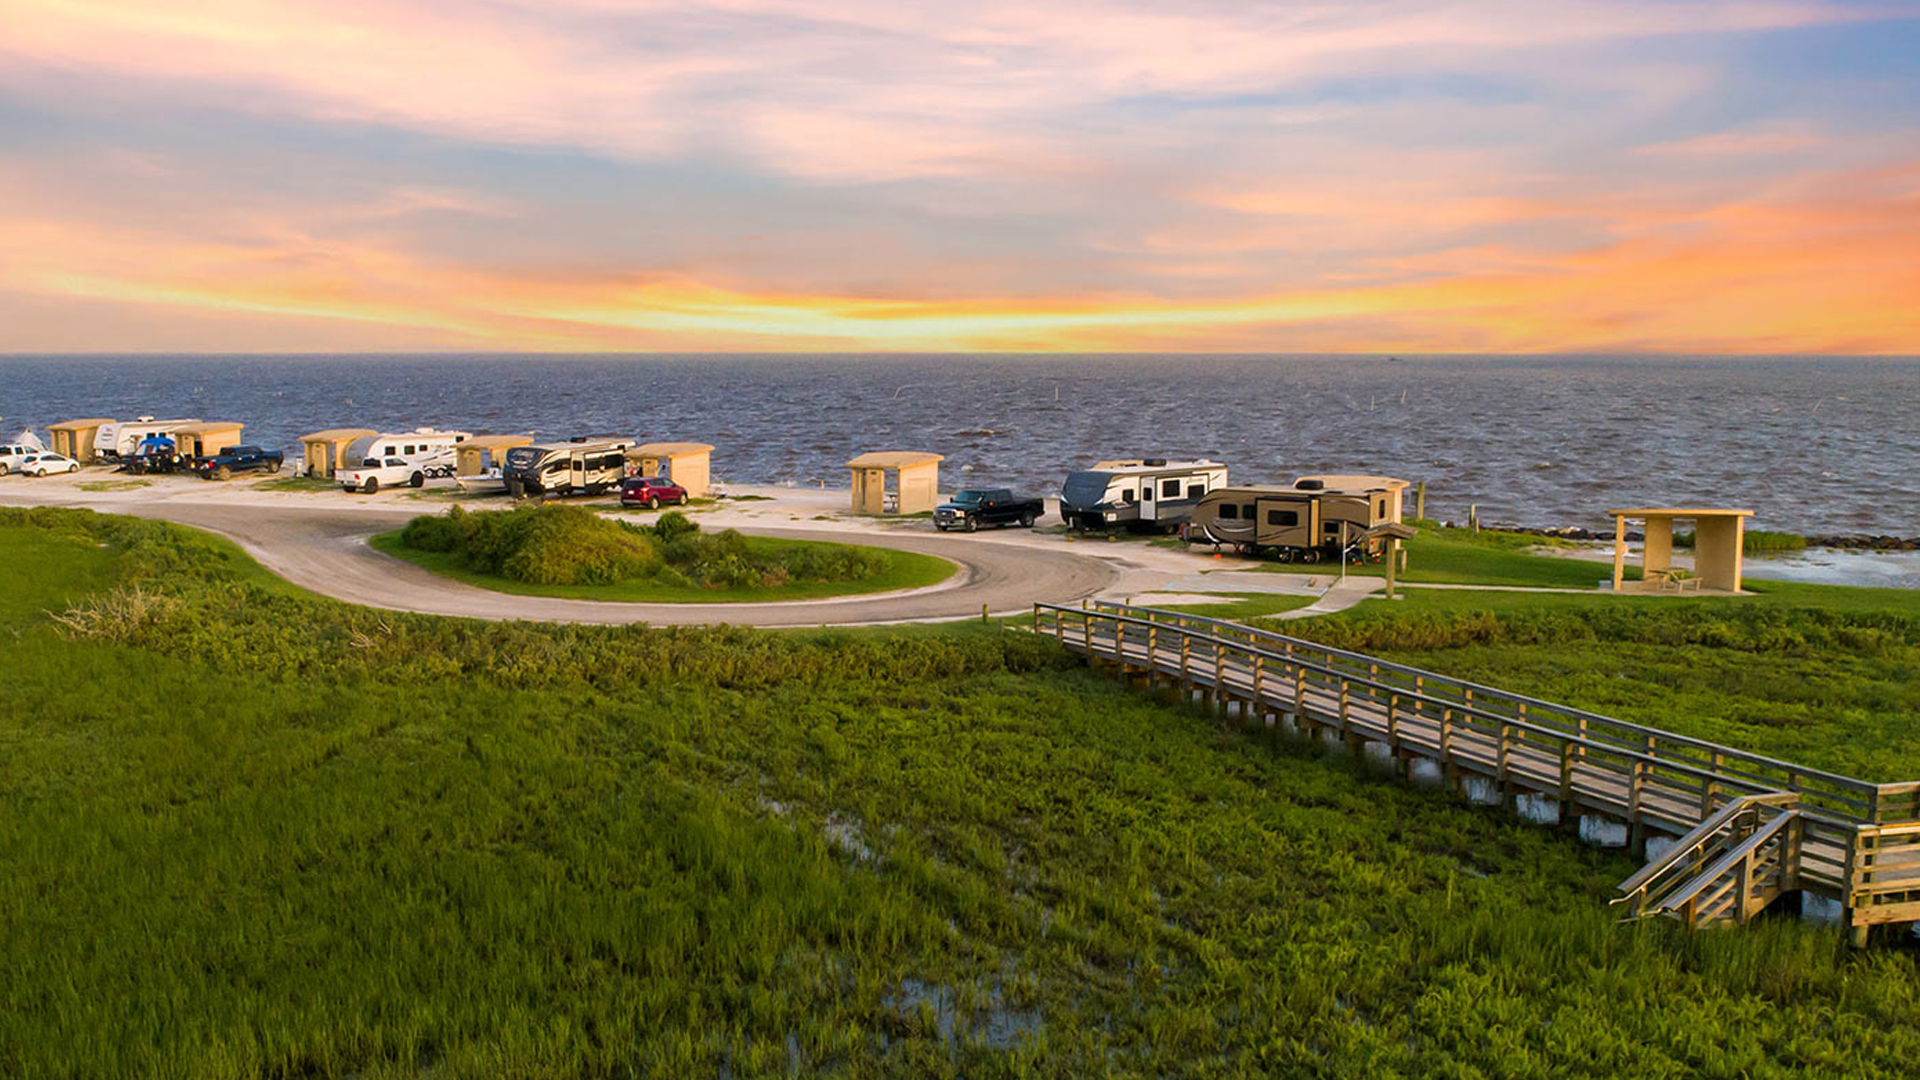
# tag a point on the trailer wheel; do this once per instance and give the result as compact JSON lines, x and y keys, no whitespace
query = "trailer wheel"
{"x":417,"y":479}
{"x":1026,"y":520}
{"x":370,"y":485}
{"x":1309,"y":555}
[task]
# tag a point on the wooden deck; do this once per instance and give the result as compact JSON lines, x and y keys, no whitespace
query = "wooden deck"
{"x":1798,"y":828}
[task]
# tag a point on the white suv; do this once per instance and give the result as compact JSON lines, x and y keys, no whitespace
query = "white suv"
{"x":12,"y":454}
{"x":42,"y":464}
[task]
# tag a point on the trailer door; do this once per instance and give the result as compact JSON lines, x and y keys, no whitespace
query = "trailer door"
{"x":577,"y":470}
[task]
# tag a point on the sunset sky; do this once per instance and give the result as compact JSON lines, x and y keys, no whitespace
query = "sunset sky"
{"x":1084,"y":175}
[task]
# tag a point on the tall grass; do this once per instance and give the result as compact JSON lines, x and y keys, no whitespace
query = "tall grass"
{"x":252,"y":833}
{"x":1815,"y":674}
{"x":1755,"y":541}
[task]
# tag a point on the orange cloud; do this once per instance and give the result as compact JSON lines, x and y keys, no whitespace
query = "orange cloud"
{"x":1822,"y":274}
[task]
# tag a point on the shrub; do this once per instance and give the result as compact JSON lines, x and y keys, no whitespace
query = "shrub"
{"x":673,"y":525}
{"x":543,"y":545}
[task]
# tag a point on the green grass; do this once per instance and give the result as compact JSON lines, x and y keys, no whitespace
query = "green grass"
{"x":1242,"y":605}
{"x":904,"y":570}
{"x":245,"y":832}
{"x":1463,"y":557}
{"x":1822,"y":675}
{"x":298,"y":482}
{"x":113,"y":485}
{"x":1755,"y":542}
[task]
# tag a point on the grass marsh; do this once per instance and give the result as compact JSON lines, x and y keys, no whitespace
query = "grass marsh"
{"x":247,"y":832}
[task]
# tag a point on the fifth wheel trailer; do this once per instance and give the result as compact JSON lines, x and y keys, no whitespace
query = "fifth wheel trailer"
{"x":579,"y":466}
{"x":1316,"y":518}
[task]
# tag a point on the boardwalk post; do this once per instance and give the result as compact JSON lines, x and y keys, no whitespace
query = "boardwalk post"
{"x":1566,"y":783}
{"x":1219,"y":681}
{"x":1259,"y":679}
{"x":1636,"y":828}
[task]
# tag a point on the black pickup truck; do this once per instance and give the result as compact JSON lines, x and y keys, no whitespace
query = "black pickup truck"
{"x":224,"y":464}
{"x":975,"y":507}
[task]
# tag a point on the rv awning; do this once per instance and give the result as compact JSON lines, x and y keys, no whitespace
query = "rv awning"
{"x":894,"y":459}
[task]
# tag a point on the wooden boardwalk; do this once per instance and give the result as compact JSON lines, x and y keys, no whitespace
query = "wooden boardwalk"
{"x":1749,"y":828}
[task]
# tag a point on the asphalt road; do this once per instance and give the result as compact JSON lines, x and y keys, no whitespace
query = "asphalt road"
{"x":324,"y":549}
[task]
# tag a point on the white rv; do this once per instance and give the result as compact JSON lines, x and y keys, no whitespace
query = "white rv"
{"x":395,"y":458}
{"x":122,"y":438}
{"x":579,"y":466}
{"x":1146,"y":492}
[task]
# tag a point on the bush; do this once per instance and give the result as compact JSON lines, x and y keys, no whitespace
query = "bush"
{"x":673,"y":525}
{"x":542,"y":545}
{"x":567,"y":545}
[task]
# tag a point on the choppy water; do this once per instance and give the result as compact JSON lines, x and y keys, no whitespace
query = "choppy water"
{"x":1813,"y":445}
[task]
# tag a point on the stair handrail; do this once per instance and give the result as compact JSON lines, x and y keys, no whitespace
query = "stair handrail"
{"x":1693,"y":846}
{"x":1679,"y":898}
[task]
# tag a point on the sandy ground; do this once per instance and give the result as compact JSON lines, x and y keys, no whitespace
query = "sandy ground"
{"x":318,"y":540}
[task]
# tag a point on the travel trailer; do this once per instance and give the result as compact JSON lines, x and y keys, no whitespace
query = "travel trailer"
{"x":1317,"y":518}
{"x":423,"y":450}
{"x":119,"y":439}
{"x":1145,"y":493}
{"x":579,"y":466}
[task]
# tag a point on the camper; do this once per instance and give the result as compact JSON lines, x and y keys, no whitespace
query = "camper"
{"x":121,"y":439}
{"x":1318,"y":517}
{"x":423,"y":450}
{"x":583,"y":465}
{"x":1148,"y":493}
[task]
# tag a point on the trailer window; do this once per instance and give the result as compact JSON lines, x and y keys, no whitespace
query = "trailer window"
{"x":1194,"y":491}
{"x":1229,"y":512}
{"x":1331,"y":528}
{"x":1128,"y":496}
{"x":1170,"y":489}
{"x":1146,"y":491}
{"x":1283,"y":517}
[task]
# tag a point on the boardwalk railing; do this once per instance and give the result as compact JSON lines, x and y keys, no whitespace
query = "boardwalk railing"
{"x":1853,"y":840}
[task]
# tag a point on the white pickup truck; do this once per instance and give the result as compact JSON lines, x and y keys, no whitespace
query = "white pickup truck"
{"x":374,"y":474}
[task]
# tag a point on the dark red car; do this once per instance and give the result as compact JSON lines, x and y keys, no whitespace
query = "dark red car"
{"x":653,"y":491}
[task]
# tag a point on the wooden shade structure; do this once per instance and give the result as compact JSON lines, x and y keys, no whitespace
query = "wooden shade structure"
{"x":916,"y":489}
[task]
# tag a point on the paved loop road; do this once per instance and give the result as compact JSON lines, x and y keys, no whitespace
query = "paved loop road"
{"x":325,"y":549}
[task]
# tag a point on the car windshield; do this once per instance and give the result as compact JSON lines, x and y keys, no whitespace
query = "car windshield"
{"x":1085,"y":488}
{"x":964,"y":497}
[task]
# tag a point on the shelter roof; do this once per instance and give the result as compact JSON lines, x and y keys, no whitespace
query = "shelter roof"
{"x":339,"y":434}
{"x":75,"y":425}
{"x":894,"y":459}
{"x":669,"y":449}
{"x":208,"y":427}
{"x":496,"y":442}
{"x":1348,"y":484}
{"x":1680,"y":512}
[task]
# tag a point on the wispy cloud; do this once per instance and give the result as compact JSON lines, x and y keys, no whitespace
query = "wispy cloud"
{"x":888,"y":174}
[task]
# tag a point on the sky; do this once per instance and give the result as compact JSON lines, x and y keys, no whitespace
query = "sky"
{"x":1468,"y":176}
